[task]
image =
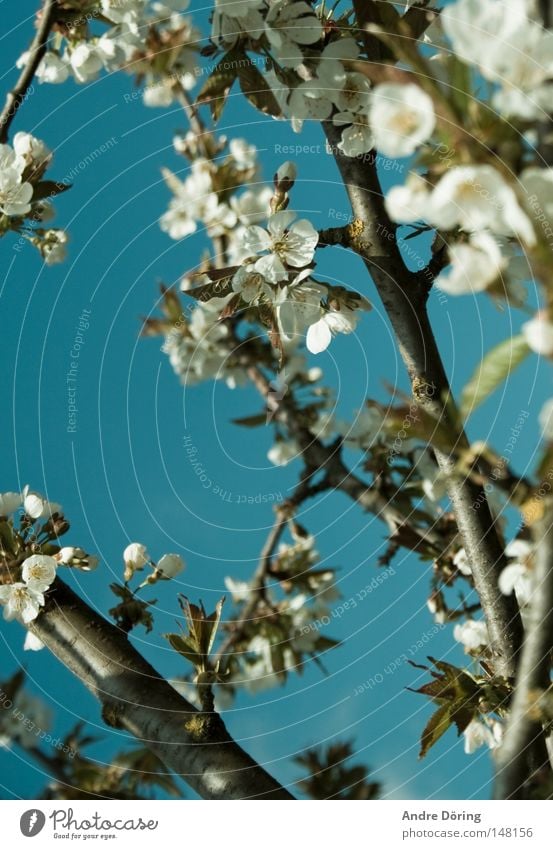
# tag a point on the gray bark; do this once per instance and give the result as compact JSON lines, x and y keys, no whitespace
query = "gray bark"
{"x":404,"y":295}
{"x":134,"y":697}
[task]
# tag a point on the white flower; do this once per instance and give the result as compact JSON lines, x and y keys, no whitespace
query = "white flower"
{"x":357,"y":137}
{"x":297,"y":306}
{"x":38,"y":507}
{"x":410,"y":202}
{"x":31,"y":149}
{"x":231,"y":17}
{"x":9,"y":502}
{"x":77,"y":557}
{"x":473,"y":634}
{"x":178,"y":221}
{"x":39,"y":571}
{"x":250,"y":284}
{"x":21,"y":602}
{"x":86,"y":61}
{"x":32,"y":642}
{"x":518,"y":549}
{"x":476,"y":197}
{"x":401,"y":117}
{"x":289,"y":25}
{"x":243,"y":154}
{"x":52,"y":69}
{"x":364,"y":429}
{"x":120,"y":11}
{"x":15,"y":196}
{"x":310,"y":101}
{"x":499,"y":38}
{"x":251,"y":206}
{"x":171,"y":565}
{"x":546,"y":420}
{"x":319,"y":334}
{"x":478,"y":734}
{"x":516,"y":578}
{"x":9,"y":161}
{"x":135,"y":556}
{"x":240,"y":590}
{"x":283,"y":452}
{"x":354,"y":95}
{"x":462,"y":562}
{"x":474,"y":265}
{"x":538,"y":333}
{"x":289,"y":242}
{"x":158,"y":94}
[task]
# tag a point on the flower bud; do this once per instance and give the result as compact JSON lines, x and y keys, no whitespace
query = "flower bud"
{"x":170,"y":565}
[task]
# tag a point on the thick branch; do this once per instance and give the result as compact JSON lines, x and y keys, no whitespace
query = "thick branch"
{"x":524,"y":739}
{"x":137,"y":699}
{"x":404,"y":299}
{"x":36,"y":51}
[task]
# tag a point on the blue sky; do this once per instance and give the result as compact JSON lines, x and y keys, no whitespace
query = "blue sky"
{"x":124,"y":475}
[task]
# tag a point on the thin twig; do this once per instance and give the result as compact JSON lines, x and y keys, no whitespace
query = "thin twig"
{"x":523,"y":754}
{"x":257,"y":591}
{"x":36,"y":51}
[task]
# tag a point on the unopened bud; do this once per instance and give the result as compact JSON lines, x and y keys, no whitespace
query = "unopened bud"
{"x":285,"y":177}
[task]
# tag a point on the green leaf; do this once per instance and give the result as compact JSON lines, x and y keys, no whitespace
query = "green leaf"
{"x":252,"y":421}
{"x":435,"y":728}
{"x":257,"y":90}
{"x":49,"y":189}
{"x":185,"y":647}
{"x":220,"y":82}
{"x":496,"y":366}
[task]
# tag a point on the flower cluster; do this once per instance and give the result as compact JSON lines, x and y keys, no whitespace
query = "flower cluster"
{"x":30,"y":556}
{"x":154,"y":41}
{"x":136,"y":557}
{"x":24,"y":196}
{"x":312,"y":75}
{"x":210,"y":193}
{"x":286,"y":630}
{"x":513,"y":52}
{"x":272,"y":278}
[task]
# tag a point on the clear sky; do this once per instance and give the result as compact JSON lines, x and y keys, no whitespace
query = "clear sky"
{"x":124,"y":475}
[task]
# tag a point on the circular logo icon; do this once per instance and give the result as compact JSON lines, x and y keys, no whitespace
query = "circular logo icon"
{"x":32,"y":822}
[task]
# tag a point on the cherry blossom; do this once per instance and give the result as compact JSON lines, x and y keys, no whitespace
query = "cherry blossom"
{"x":538,"y":332}
{"x":288,"y":27}
{"x":283,"y":452}
{"x":401,"y":117}
{"x":21,"y":601}
{"x":287,"y":241}
{"x":472,"y":634}
{"x":39,"y":571}
{"x":474,"y":265}
{"x":170,"y":565}
{"x":9,"y":502}
{"x":478,"y":734}
{"x":37,"y":506}
{"x":135,"y":556}
{"x":507,"y":47}
{"x":232,"y":17}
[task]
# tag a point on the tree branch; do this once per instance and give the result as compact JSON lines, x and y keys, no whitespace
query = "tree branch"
{"x":404,"y":298}
{"x":36,"y":51}
{"x":135,"y":698}
{"x":524,"y":744}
